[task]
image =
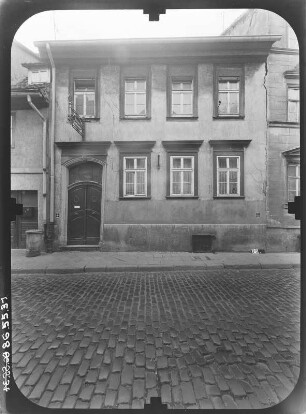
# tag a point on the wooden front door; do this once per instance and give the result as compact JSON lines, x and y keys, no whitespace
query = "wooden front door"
{"x":84,"y":214}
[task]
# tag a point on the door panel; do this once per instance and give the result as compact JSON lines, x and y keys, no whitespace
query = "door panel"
{"x":84,"y":214}
{"x":93,"y":214}
{"x":76,"y":215}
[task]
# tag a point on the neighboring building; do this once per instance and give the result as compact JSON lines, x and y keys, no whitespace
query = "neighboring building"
{"x":168,"y":140}
{"x":28,"y":140}
{"x":283,"y":118}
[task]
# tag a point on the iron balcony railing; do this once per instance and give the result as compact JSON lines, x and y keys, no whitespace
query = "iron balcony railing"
{"x":75,"y":120}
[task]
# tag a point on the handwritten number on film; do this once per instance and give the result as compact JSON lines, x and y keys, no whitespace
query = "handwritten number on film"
{"x":6,"y":371}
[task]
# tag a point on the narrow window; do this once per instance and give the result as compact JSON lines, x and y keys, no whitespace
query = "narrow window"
{"x":293,"y":104}
{"x":13,"y":115}
{"x":135,"y":98}
{"x":181,"y":176}
{"x":228,"y":176}
{"x":182,"y":98}
{"x":84,"y":97}
{"x":134,"y":176}
{"x":293,"y":181}
{"x":228,"y":96}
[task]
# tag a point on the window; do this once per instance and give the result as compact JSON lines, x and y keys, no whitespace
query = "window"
{"x":12,"y":128}
{"x":182,"y":168}
{"x":85,"y":97}
{"x":293,"y":104}
{"x":135,"y":98}
{"x":229,"y":92}
{"x":228,"y":96}
{"x":182,"y":98}
{"x":293,"y":181}
{"x":228,"y":170}
{"x":135,"y":169}
{"x":39,"y":76}
{"x":228,"y":176}
{"x":134,"y":176}
{"x":181,"y":176}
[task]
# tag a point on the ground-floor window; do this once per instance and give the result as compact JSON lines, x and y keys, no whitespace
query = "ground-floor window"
{"x":181,"y":176}
{"x":134,"y":176}
{"x":228,"y":175}
{"x":293,"y":178}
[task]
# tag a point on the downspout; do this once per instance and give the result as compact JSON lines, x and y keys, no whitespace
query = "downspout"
{"x":52,"y":129}
{"x":44,"y":156}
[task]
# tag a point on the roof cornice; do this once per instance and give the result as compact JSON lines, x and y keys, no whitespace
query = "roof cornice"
{"x":131,"y":50}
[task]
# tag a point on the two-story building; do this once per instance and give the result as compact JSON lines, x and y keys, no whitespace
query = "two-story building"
{"x":283,"y":121}
{"x":156,"y":140}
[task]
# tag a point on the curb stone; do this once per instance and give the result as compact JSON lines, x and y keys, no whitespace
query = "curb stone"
{"x":153,"y":268}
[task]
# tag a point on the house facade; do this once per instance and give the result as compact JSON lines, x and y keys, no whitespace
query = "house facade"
{"x":283,"y":120}
{"x":158,"y":140}
{"x":29,"y":113}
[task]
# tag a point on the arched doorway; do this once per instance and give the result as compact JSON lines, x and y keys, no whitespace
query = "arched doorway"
{"x":84,"y":204}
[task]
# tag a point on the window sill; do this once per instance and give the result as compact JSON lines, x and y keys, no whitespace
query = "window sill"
{"x":228,"y":117}
{"x":182,"y":118}
{"x":284,"y":124}
{"x":135,"y":118}
{"x":134,"y":198}
{"x":182,"y":197}
{"x":228,"y":197}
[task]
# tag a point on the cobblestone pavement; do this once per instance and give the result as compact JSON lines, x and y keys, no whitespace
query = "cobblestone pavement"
{"x":197,"y":339}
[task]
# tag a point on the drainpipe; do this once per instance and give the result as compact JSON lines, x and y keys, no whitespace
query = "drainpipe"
{"x":52,"y":128}
{"x":44,"y":156}
{"x":49,"y":235}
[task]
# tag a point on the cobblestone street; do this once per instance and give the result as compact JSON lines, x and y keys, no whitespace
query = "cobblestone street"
{"x":198,"y":339}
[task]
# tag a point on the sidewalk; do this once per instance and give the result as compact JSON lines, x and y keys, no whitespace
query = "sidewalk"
{"x":87,"y":262}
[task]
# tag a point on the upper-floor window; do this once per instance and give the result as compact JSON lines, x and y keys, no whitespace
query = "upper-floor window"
{"x":181,"y":175}
{"x":38,"y":76}
{"x":182,"y":98}
{"x":135,"y":98}
{"x":228,"y":96}
{"x":228,"y":176}
{"x":84,"y":97}
{"x":229,"y":92}
{"x":134,"y":176}
{"x":293,"y":175}
{"x":293,"y":104}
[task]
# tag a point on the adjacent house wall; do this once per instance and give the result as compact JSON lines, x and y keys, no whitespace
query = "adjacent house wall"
{"x":282,"y":228}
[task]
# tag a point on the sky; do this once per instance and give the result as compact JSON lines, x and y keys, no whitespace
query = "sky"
{"x":108,"y":24}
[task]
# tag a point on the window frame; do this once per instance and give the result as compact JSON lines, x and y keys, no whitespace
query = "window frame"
{"x":295,"y":87}
{"x":230,"y":72}
{"x":182,"y":79}
{"x":84,"y":93}
{"x":141,"y":73}
{"x":86,"y":74}
{"x":227,"y":169}
{"x":134,"y":149}
{"x":136,"y":79}
{"x":186,"y":148}
{"x":296,"y":164}
{"x":182,"y":170}
{"x":226,"y":148}
{"x":130,"y":156}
